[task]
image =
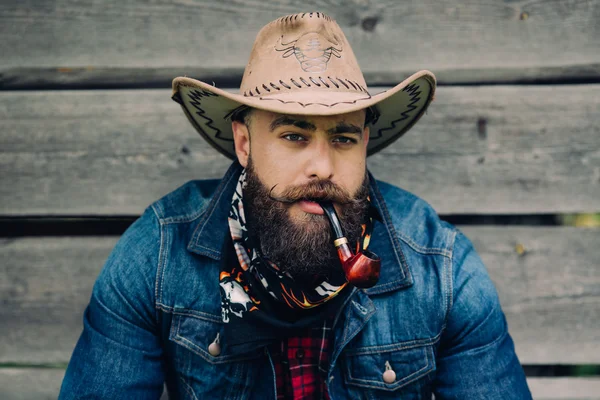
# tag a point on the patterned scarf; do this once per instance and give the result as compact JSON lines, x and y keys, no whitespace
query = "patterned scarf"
{"x":254,"y":286}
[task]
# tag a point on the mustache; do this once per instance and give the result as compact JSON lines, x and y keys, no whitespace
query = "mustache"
{"x":316,"y":191}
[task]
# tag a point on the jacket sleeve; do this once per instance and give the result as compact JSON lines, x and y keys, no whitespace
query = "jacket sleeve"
{"x":118,"y":355}
{"x":476,"y":356}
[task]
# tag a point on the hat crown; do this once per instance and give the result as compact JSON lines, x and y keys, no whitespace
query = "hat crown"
{"x":302,"y":52}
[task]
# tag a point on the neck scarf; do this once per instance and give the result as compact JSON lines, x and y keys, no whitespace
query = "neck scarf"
{"x":255,"y":287}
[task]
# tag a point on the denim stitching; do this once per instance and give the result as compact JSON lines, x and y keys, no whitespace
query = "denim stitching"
{"x":345,"y":339}
{"x":212,"y":253}
{"x":412,"y":344}
{"x":390,"y":228}
{"x":186,"y":218}
{"x":165,"y":240}
{"x":188,"y":388}
{"x":421,"y":249}
{"x":194,"y":348}
{"x":159,"y":269}
{"x":212,"y":206}
{"x":449,"y":284}
{"x":401,"y":383}
{"x":192,"y":313}
{"x":158,"y":213}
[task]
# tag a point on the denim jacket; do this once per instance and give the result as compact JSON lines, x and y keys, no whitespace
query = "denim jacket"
{"x":433,"y":317}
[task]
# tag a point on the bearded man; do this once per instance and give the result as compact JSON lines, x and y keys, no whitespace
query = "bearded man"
{"x":239,"y":289}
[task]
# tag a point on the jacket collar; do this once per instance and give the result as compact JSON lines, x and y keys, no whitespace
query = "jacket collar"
{"x":212,"y":226}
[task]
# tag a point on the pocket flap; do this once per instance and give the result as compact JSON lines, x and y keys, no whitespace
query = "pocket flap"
{"x":197,"y":334}
{"x":366,"y":369}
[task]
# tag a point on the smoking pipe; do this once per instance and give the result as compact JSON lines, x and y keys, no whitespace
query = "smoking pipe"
{"x":361,"y":269}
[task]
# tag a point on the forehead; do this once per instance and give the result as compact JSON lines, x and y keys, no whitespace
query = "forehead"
{"x":265,"y":118}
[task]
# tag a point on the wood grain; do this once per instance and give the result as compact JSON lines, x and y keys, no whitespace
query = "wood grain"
{"x":83,"y":78}
{"x":551,"y":294}
{"x":495,"y":149}
{"x":44,"y":384}
{"x":548,"y":281}
{"x":564,"y":388}
{"x":32,"y":383}
{"x":388,"y":37}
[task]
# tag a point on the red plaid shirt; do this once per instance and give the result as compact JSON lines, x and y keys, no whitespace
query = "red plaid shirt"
{"x":301,"y":363}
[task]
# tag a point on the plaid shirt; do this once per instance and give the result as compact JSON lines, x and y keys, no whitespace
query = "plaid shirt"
{"x":301,"y":364}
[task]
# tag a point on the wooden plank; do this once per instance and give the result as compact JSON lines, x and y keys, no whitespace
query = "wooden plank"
{"x":45,"y":284}
{"x":551,"y":294}
{"x":32,"y":383}
{"x":387,"y":37}
{"x":494,"y":149}
{"x":565,"y":388}
{"x":44,"y":384}
{"x":35,"y":78}
{"x":548,"y":281}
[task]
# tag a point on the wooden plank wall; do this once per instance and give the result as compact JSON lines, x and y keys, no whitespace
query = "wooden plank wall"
{"x":87,"y":130}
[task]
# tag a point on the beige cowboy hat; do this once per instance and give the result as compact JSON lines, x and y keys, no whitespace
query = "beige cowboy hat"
{"x":302,"y":64}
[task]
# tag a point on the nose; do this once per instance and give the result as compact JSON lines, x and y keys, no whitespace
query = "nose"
{"x":320,"y":164}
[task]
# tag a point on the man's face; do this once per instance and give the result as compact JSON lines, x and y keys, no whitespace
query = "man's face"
{"x":293,"y":161}
{"x":290,"y":151}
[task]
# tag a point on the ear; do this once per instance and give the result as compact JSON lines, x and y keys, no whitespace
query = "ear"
{"x":241,"y":139}
{"x":366,"y":133}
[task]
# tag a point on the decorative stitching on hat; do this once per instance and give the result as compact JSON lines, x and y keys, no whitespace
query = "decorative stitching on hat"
{"x":195,"y":97}
{"x":317,"y":104}
{"x":334,"y":82}
{"x":290,"y":17}
{"x":315,"y":80}
{"x":324,"y":83}
{"x":343,"y":83}
{"x":414,"y":96}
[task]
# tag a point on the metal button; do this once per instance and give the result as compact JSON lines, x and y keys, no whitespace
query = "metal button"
{"x":389,"y":376}
{"x":299,"y":354}
{"x":214,"y":349}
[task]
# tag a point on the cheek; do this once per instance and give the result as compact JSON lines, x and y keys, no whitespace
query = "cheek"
{"x":269,"y":165}
{"x":353,"y":175}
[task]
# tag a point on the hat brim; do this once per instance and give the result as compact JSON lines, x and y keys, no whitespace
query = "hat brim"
{"x":209,"y":108}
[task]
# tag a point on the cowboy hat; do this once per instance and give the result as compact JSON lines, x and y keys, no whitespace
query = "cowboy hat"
{"x":302,"y":64}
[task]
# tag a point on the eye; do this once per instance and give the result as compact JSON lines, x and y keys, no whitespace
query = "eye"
{"x":294,"y":137}
{"x":345,"y":140}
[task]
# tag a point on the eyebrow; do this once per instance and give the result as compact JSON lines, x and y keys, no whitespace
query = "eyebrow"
{"x":344,"y":127}
{"x":286,"y":120}
{"x":341,"y":127}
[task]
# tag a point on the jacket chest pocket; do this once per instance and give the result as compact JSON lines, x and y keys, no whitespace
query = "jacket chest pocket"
{"x":204,"y":365}
{"x":391,"y":371}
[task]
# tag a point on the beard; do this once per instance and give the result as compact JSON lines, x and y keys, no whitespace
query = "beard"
{"x":302,"y":247}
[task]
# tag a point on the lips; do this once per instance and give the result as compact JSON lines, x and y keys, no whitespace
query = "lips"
{"x":310,"y":207}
